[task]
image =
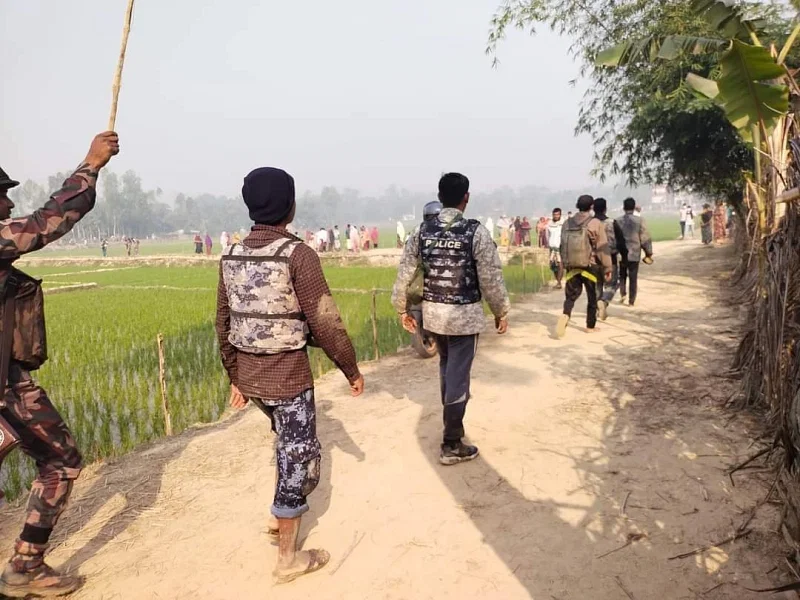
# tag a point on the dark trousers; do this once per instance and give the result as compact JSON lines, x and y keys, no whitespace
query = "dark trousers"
{"x":683,"y":228}
{"x":629,"y":270}
{"x":572,"y":292}
{"x":606,"y":291}
{"x":456,"y":353}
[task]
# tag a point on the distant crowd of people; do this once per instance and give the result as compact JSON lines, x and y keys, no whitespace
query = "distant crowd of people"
{"x":354,"y":239}
{"x":715,"y":223}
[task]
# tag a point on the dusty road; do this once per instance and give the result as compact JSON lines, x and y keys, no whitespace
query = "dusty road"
{"x":587,"y":443}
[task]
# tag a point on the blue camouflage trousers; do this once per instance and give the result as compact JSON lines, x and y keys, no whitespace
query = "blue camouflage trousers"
{"x":297,"y":452}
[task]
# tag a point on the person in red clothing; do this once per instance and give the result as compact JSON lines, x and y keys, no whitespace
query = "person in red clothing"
{"x":272,"y":298}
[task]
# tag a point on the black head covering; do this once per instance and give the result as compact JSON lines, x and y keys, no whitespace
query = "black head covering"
{"x":269,"y":195}
{"x":6,"y":183}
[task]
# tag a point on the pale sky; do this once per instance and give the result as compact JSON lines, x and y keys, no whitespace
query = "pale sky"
{"x":354,"y":93}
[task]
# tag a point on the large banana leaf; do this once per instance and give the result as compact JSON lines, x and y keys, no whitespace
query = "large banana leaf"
{"x":747,"y":90}
{"x":727,"y":18}
{"x":650,"y":48}
{"x":707,"y":87}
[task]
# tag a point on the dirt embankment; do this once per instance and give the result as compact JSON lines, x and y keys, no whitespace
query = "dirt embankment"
{"x":603,"y":467}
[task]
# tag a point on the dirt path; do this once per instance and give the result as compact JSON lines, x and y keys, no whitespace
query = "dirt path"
{"x":586,"y":443}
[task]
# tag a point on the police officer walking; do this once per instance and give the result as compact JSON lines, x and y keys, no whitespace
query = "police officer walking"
{"x":272,"y":299}
{"x":43,"y":434}
{"x":461,"y":268}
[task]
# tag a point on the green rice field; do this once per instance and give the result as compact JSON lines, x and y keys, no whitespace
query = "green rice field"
{"x":103,"y":370}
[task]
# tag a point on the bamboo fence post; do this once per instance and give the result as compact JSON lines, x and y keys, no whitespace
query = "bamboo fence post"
{"x":375,"y":324}
{"x":524,"y":268}
{"x":541,"y":273}
{"x":115,"y":87}
{"x":162,"y":378}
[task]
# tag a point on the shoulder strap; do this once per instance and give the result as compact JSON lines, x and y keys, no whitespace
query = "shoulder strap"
{"x":284,"y":246}
{"x":9,"y":305}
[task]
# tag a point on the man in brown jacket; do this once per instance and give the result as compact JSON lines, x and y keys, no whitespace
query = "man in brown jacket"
{"x":586,"y":256}
{"x":272,"y":299}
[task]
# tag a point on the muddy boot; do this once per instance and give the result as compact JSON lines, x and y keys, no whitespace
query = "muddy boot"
{"x":26,"y":574}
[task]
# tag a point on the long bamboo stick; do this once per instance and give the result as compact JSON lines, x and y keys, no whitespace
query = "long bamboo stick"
{"x":162,"y":380}
{"x":115,"y":87}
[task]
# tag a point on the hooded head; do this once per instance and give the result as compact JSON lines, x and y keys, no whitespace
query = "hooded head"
{"x":269,"y":195}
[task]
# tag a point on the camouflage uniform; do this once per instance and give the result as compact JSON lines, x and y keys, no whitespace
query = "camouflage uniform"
{"x":456,"y":326}
{"x":45,"y":437}
{"x":297,"y":452}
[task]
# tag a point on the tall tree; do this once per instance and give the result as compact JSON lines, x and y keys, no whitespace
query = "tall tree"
{"x":646,"y":124}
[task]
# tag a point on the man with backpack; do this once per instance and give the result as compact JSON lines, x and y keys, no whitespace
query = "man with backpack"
{"x":616,"y":247}
{"x":637,"y":238}
{"x":460,"y":267}
{"x":587,"y":260}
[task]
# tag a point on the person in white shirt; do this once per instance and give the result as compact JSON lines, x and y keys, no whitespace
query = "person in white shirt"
{"x":322,"y":240}
{"x":490,"y":226}
{"x":554,"y":243}
{"x":689,"y":221}
{"x":401,"y":234}
{"x":337,"y":239}
{"x":682,"y":217}
{"x":224,"y":241}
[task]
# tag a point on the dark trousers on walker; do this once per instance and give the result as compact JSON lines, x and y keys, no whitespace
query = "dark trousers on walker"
{"x":572,"y":291}
{"x":456,"y":354}
{"x":629,"y":271}
{"x":606,"y":291}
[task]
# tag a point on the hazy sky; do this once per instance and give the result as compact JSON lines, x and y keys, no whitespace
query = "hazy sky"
{"x":358,"y":93}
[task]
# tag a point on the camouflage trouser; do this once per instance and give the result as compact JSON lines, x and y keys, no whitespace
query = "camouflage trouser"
{"x":46,"y":439}
{"x":297,"y":452}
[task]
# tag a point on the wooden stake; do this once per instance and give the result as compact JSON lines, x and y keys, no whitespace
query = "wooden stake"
{"x":375,"y":323}
{"x":126,"y":30}
{"x":162,"y":378}
{"x":524,"y":278}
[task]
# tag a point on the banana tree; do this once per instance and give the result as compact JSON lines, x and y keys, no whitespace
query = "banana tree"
{"x":752,"y":88}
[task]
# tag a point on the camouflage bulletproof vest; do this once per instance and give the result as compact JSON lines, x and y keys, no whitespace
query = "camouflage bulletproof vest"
{"x":451,"y":275}
{"x":265,"y":314}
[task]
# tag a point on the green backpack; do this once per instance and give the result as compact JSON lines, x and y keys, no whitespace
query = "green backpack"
{"x":576,"y":247}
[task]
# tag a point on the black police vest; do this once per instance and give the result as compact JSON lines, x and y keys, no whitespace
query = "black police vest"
{"x":451,"y":275}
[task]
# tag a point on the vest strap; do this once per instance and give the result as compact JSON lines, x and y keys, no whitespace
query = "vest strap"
{"x":256,"y":315}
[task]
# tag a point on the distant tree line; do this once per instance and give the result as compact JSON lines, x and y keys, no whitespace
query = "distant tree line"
{"x":126,"y":208}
